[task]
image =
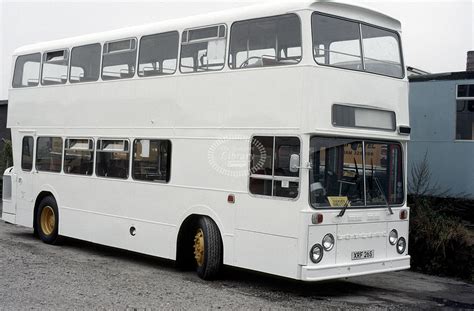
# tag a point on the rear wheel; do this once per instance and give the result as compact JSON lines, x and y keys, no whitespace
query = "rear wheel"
{"x":207,"y":249}
{"x":47,"y":221}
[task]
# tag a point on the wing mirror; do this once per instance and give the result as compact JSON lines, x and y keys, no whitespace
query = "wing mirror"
{"x":294,"y":163}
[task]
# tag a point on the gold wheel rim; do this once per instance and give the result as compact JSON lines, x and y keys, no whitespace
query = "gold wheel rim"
{"x":199,"y":247}
{"x":47,"y":220}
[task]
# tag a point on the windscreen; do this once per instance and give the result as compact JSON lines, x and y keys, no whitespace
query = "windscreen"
{"x":355,"y":173}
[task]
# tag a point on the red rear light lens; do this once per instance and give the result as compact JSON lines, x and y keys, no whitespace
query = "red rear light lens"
{"x":317,"y":218}
{"x":403,"y":214}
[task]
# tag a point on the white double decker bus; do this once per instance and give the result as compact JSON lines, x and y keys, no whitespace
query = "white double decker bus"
{"x":270,"y":138}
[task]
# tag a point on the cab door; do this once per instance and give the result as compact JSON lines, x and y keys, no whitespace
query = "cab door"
{"x":266,"y":225}
{"x":25,"y":175}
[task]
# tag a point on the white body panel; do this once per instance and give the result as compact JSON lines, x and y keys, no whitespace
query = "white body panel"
{"x":195,"y":111}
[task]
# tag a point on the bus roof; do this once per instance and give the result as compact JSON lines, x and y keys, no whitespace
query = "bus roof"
{"x":243,"y":13}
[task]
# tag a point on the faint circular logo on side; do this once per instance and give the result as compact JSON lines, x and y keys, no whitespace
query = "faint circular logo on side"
{"x":231,"y":157}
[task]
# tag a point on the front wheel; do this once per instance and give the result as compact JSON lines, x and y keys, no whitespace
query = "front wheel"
{"x":47,"y":221}
{"x":207,"y":249}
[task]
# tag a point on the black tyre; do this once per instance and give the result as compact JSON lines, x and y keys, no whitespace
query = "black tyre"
{"x":207,"y":249}
{"x":47,"y":221}
{"x":184,"y":256}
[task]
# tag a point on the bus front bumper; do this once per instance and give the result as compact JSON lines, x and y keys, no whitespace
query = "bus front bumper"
{"x":315,"y":273}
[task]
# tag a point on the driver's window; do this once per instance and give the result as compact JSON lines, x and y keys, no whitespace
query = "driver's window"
{"x":269,"y":41}
{"x":270,"y":172}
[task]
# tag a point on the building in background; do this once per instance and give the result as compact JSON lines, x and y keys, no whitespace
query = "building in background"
{"x":442,"y":123}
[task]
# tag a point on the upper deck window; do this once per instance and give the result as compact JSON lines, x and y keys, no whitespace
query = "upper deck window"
{"x":55,"y":66}
{"x":119,"y":59}
{"x":381,"y":51}
{"x":270,"y":41}
{"x":352,"y":45}
{"x":85,"y":63}
{"x":27,"y":70}
{"x":203,"y":49}
{"x":158,"y":54}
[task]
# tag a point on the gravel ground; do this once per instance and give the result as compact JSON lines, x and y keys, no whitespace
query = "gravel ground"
{"x":81,"y":275}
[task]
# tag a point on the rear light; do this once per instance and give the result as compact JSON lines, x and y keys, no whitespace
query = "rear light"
{"x":317,"y":218}
{"x":403,"y":214}
{"x":231,"y":199}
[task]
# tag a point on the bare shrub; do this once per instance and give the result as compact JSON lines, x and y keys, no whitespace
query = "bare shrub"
{"x":439,"y":241}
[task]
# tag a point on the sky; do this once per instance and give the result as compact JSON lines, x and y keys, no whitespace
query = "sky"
{"x":436,"y":34}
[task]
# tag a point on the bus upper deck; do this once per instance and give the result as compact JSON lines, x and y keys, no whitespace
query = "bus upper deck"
{"x":326,"y":56}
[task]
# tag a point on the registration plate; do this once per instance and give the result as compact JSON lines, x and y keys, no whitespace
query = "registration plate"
{"x":359,"y":255}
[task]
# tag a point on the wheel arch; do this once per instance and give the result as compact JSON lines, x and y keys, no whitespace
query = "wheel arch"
{"x":187,"y":222}
{"x":45,"y":192}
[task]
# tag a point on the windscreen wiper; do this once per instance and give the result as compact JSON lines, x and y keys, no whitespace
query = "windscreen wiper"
{"x":383,"y":194}
{"x":343,"y":210}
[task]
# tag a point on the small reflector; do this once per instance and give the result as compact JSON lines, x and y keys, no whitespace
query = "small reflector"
{"x":231,"y":199}
{"x":403,"y":214}
{"x":317,"y":218}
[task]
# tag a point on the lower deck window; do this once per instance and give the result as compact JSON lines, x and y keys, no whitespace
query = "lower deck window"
{"x":355,"y":173}
{"x":49,"y":152}
{"x":270,"y":172}
{"x":151,"y":160}
{"x":113,"y":158}
{"x":27,"y":153}
{"x":79,"y":156}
